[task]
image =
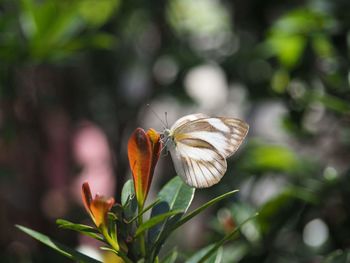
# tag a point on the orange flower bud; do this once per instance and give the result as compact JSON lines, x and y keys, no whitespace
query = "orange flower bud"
{"x":97,"y":207}
{"x":143,"y":152}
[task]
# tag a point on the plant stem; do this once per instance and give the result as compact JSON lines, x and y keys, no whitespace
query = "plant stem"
{"x":114,"y":244}
{"x":142,"y":236}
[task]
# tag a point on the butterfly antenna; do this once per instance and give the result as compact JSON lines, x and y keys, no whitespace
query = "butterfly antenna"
{"x":163,"y":123}
{"x":166,"y":120}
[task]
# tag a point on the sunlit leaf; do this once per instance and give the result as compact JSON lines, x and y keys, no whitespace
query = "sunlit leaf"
{"x":289,"y":34}
{"x":236,"y":251}
{"x":200,"y":209}
{"x":213,"y":249}
{"x":128,"y":200}
{"x":251,"y":230}
{"x":280,"y":80}
{"x":127,"y":191}
{"x":270,"y":157}
{"x":84,"y":229}
{"x":171,"y":257}
{"x":175,"y":195}
{"x":96,"y":13}
{"x":216,"y":257}
{"x":62,"y":249}
{"x":169,"y":228}
{"x":154,"y":221}
{"x":289,"y":48}
{"x":122,"y":257}
{"x":143,"y":211}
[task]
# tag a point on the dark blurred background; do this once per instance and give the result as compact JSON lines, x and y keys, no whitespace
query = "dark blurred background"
{"x":75,"y":79}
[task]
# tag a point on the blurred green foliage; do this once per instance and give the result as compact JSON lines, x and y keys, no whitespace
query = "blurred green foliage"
{"x":103,"y":61}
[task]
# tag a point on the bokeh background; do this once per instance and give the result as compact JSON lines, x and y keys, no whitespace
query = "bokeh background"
{"x":75,"y":81}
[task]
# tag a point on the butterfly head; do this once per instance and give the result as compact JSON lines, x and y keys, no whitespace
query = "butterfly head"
{"x":166,"y":133}
{"x":167,"y":138}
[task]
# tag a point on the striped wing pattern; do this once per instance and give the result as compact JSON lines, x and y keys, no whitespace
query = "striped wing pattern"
{"x":201,"y":145}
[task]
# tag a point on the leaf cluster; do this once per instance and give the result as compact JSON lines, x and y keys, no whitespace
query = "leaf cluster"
{"x":142,"y":240}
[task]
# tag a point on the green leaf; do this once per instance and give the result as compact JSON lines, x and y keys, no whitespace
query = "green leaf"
{"x":171,"y":257}
{"x":251,"y":231}
{"x":338,"y":256}
{"x":175,"y":195}
{"x":84,"y":229}
{"x":289,"y":48}
{"x":127,"y":191}
{"x":202,"y":208}
{"x":64,"y":250}
{"x":289,"y":35}
{"x":128,"y":200}
{"x":118,"y":253}
{"x":331,"y":102}
{"x":143,"y":211}
{"x":227,"y":238}
{"x":96,"y":13}
{"x":98,"y":41}
{"x":171,"y":227}
{"x":214,"y":258}
{"x":154,"y":221}
{"x":78,"y":227}
{"x":269,"y":157}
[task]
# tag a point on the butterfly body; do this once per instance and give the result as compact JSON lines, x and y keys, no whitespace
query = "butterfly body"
{"x":199,"y":146}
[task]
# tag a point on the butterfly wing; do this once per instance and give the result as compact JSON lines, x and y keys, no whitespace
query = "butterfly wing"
{"x":186,"y":119}
{"x":202,"y":144}
{"x":197,"y":162}
{"x":224,"y":134}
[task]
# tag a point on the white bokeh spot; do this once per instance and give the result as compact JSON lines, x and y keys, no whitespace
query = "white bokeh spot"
{"x":207,"y":85}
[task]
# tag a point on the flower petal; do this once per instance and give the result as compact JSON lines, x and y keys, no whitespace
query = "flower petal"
{"x":156,"y":148}
{"x":97,"y":207}
{"x":86,"y":196}
{"x":100,"y":207}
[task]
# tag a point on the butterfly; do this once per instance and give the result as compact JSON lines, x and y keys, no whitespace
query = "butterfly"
{"x":199,"y":146}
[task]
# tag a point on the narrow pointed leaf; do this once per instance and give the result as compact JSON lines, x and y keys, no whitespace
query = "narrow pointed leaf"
{"x":175,"y":195}
{"x":227,"y":238}
{"x":64,"y":250}
{"x":171,"y":227}
{"x":154,"y":221}
{"x":83,"y":229}
{"x":73,"y":226}
{"x":171,"y":257}
{"x":214,"y":258}
{"x":200,"y":209}
{"x":118,"y":253}
{"x":143,"y":211}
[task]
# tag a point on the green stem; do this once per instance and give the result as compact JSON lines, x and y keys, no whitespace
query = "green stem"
{"x":108,"y":238}
{"x":114,"y":244}
{"x":142,"y":236}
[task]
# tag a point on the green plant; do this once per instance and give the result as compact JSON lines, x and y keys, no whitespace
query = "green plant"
{"x":122,"y":228}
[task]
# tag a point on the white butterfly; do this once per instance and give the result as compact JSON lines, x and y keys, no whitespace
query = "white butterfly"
{"x":199,"y":146}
